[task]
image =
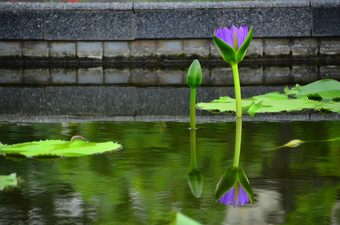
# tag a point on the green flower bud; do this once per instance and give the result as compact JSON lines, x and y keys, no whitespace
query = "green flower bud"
{"x":194,"y":78}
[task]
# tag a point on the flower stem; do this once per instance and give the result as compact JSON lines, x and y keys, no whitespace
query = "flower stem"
{"x":238,"y":139}
{"x":237,"y":88}
{"x":192,"y":108}
{"x":193,"y":149}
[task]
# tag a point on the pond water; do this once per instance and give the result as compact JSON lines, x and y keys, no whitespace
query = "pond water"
{"x":146,"y":181}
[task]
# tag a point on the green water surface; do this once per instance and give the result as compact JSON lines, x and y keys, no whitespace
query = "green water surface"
{"x":146,"y":181}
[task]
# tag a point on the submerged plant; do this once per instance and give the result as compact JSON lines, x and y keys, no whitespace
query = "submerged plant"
{"x":233,"y":44}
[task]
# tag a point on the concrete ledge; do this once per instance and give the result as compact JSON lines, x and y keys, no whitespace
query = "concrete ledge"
{"x":131,"y":21}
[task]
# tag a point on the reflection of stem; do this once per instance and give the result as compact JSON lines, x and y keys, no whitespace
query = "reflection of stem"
{"x":192,"y":108}
{"x":237,"y":88}
{"x":238,"y":139}
{"x":193,"y":148}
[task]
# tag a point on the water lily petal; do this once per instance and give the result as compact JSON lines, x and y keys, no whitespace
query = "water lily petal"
{"x":241,"y":35}
{"x":226,"y":35}
{"x":228,"y":197}
{"x":243,"y":196}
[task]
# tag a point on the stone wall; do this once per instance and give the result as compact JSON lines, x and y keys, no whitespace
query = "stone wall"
{"x":106,"y":30}
{"x":111,"y":34}
{"x":131,"y":21}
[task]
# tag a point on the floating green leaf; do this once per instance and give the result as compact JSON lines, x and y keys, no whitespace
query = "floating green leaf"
{"x":295,"y":99}
{"x":330,"y":106}
{"x":8,"y":181}
{"x":327,"y":89}
{"x":268,"y":103}
{"x":57,"y":148}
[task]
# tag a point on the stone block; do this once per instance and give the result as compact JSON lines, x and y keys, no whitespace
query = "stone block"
{"x":35,"y":49}
{"x":213,"y":49}
{"x":255,"y":48}
{"x":63,"y":49}
{"x":229,"y":17}
{"x":326,"y":21}
{"x":170,"y":77}
{"x":205,"y":76}
{"x":140,"y":48}
{"x":10,"y":76}
{"x":175,"y":23}
{"x":89,"y":25}
{"x":92,"y":50}
{"x":143,"y":77}
{"x":116,"y":49}
{"x":163,"y":101}
{"x":277,"y":47}
{"x":23,"y":100}
{"x":330,"y":72}
{"x":36,"y":76}
{"x":251,"y":76}
{"x":277,"y":75}
{"x":169,"y":47}
{"x":61,"y":76}
{"x":304,"y":74}
{"x":25,"y":24}
{"x":221,"y":77}
{"x":10,"y":48}
{"x":32,"y":25}
{"x":9,"y":25}
{"x":116,"y":76}
{"x":280,"y":22}
{"x":330,"y":46}
{"x":199,"y":47}
{"x":90,"y":75}
{"x":305,"y":47}
{"x":91,"y":100}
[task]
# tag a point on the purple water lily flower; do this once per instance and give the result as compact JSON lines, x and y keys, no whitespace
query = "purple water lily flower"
{"x":233,"y":36}
{"x":236,"y":195}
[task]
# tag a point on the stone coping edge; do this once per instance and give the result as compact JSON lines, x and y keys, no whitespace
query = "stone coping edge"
{"x":131,"y":21}
{"x":41,"y":6}
{"x":168,"y":118}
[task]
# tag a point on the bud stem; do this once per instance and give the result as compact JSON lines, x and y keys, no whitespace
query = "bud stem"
{"x":192,"y":108}
{"x":193,"y":149}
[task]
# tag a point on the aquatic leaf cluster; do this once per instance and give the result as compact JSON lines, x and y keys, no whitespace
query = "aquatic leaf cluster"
{"x":321,"y":95}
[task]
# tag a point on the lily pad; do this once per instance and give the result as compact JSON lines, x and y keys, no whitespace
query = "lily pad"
{"x":8,"y":181}
{"x":295,"y":99}
{"x":327,"y":89}
{"x":78,"y":146}
{"x":269,"y":103}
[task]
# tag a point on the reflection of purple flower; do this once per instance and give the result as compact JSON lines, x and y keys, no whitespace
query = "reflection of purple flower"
{"x":236,"y":195}
{"x":228,"y":35}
